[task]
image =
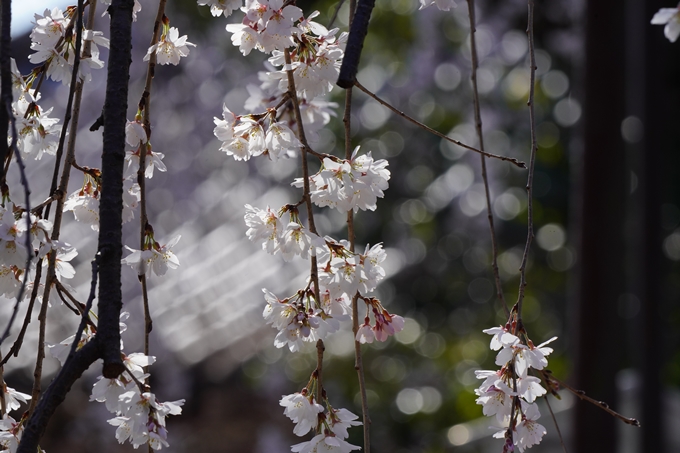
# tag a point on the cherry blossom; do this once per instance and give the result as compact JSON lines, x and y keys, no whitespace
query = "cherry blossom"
{"x":13,"y":398}
{"x":512,"y":386}
{"x":529,"y":432}
{"x":302,"y":410}
{"x":12,"y":251}
{"x":153,"y":160}
{"x":170,"y":47}
{"x":281,"y":141}
{"x":443,"y":5}
{"x":85,"y":204}
{"x":264,"y":227}
{"x":670,"y":17}
{"x":295,"y":241}
{"x":221,"y":7}
{"x":322,"y":443}
{"x":365,"y":333}
{"x":224,"y":128}
{"x":159,"y":258}
{"x":244,"y":36}
{"x":10,"y":433}
{"x":349,"y":185}
{"x":39,"y":134}
{"x":340,"y":420}
{"x":9,"y":283}
{"x":277,"y":312}
{"x":135,"y":133}
{"x":61,"y":350}
{"x":65,"y":253}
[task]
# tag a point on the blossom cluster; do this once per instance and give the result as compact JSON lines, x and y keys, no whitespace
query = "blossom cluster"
{"x":246,"y":136}
{"x":510,"y":393}
{"x":11,"y":429}
{"x":53,"y":41}
{"x":15,"y":225}
{"x":315,"y":53}
{"x":329,"y":424}
{"x":342,"y":275}
{"x":38,"y":133}
{"x":54,"y":44}
{"x":349,"y":184}
{"x":139,"y":416}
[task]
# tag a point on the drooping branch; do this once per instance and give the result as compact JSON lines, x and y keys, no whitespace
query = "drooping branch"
{"x":548,"y":376}
{"x":144,"y":104}
{"x":480,"y":139}
{"x":532,"y":161}
{"x":512,"y":160}
{"x":106,"y":343}
{"x":292,"y":92}
{"x":358,"y":358}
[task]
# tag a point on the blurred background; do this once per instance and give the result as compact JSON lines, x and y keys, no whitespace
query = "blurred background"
{"x":603,"y":271}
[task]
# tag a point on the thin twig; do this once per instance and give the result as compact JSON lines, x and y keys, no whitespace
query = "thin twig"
{"x":601,"y":404}
{"x":358,"y":358}
{"x":65,"y":296}
{"x":292,"y":91}
{"x":52,"y":198}
{"x":480,"y":138}
{"x":532,"y":161}
{"x":3,"y":403}
{"x":143,"y":387}
{"x":320,"y":348}
{"x":16,"y":347}
{"x":557,"y":426}
{"x":512,"y":160}
{"x":144,"y":105}
{"x":71,"y":95}
{"x":85,"y":318}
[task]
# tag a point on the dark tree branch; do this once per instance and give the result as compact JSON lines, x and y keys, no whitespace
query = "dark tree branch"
{"x":355,"y":42}
{"x":111,"y":201}
{"x":5,"y":78}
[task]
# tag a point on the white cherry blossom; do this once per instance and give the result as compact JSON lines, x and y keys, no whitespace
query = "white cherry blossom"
{"x":264,"y":227}
{"x":10,"y":433}
{"x":323,"y":443}
{"x":340,"y":420}
{"x":670,"y":17}
{"x":13,"y":398}
{"x":170,"y":47}
{"x":302,"y":410}
{"x":221,"y":7}
{"x":281,"y":141}
{"x":529,"y":432}
{"x":443,"y":5}
{"x":159,"y":258}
